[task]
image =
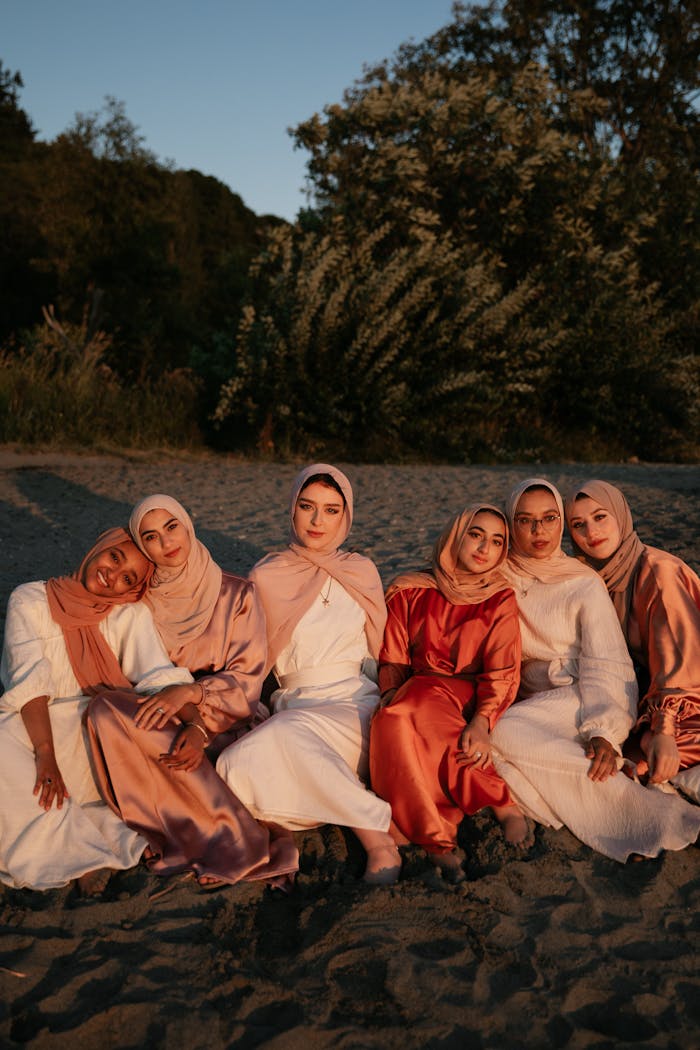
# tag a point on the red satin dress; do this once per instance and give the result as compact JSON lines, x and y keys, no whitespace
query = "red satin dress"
{"x":448,"y":663}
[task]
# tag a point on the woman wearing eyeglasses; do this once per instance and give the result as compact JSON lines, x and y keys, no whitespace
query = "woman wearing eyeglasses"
{"x":559,"y":747}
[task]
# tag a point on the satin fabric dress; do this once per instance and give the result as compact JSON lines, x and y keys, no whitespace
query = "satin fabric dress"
{"x":43,"y":849}
{"x":577,"y":682}
{"x":663,"y":635}
{"x":193,"y":820}
{"x":448,"y":663}
{"x":307,"y":764}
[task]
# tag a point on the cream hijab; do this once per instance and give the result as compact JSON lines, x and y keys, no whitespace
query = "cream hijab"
{"x":620,"y":569}
{"x":446,"y":573}
{"x":289,"y":581}
{"x":182,"y":600}
{"x":557,"y":566}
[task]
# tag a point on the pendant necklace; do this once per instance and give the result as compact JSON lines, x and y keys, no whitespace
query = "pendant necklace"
{"x":324,"y":598}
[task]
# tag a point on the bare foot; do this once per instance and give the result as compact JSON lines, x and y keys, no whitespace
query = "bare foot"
{"x":449,"y":865}
{"x":94,"y":883}
{"x":516,"y":828}
{"x":383,"y":865}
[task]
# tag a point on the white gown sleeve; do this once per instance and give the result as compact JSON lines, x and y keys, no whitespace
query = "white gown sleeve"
{"x":138,"y":646}
{"x":25,"y":669}
{"x":607,"y":682}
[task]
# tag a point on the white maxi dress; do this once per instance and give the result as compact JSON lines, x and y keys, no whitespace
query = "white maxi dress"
{"x":578,"y":682}
{"x":43,"y":849}
{"x":306,"y":764}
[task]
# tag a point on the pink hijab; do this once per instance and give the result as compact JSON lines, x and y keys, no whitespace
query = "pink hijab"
{"x":289,"y":581}
{"x":620,"y":569}
{"x":77,"y":612}
{"x":553,"y":569}
{"x":182,"y":600}
{"x":457,"y":584}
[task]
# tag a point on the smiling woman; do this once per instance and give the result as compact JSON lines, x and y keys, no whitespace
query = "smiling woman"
{"x":61,"y":644}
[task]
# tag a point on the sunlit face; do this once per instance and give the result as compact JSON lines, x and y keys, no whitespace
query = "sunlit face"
{"x":594,"y":529}
{"x":318,"y":516}
{"x":165,"y":539}
{"x":115,"y":570}
{"x":484,"y":542}
{"x":537,"y":524}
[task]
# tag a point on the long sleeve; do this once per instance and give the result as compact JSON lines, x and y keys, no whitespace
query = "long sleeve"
{"x":666,"y":612}
{"x":229,"y":660}
{"x":395,"y":653}
{"x":497,"y":684}
{"x":26,"y":669}
{"x":605,"y":673}
{"x":133,"y":636}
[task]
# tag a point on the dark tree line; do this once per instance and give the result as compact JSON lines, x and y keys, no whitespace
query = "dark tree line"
{"x":501,"y":257}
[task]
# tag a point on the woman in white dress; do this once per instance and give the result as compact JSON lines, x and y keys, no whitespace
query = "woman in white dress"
{"x":64,"y":640}
{"x":325,"y":617}
{"x":559,"y":747}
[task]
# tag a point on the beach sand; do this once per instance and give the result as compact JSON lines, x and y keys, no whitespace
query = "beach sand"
{"x":559,"y":947}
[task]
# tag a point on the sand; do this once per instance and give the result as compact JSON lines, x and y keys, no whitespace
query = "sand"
{"x":560,"y":947}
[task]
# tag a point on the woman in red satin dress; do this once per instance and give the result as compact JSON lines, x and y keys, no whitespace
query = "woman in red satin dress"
{"x":448,"y":668}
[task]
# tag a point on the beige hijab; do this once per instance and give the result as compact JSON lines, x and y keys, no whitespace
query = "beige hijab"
{"x":553,"y":569}
{"x":289,"y":581}
{"x":182,"y":600}
{"x":446,"y":573}
{"x":620,"y":569}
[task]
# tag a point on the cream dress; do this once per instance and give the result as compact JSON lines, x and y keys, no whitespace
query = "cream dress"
{"x":305,"y":766}
{"x":578,"y":682}
{"x":44,"y":849}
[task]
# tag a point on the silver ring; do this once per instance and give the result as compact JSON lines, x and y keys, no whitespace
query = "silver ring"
{"x":161,"y":710}
{"x":48,"y":780}
{"x":477,"y":754}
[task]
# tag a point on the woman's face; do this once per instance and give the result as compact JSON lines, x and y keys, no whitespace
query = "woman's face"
{"x":594,"y":529}
{"x":318,"y":516}
{"x":165,"y":539}
{"x":537,"y":524}
{"x":483,"y":544}
{"x":115,"y":570}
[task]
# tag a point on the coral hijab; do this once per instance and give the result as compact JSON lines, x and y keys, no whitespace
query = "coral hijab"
{"x":457,"y":584}
{"x":619,"y":571}
{"x":182,"y":600}
{"x":77,"y":612}
{"x":289,"y":581}
{"x":557,"y":566}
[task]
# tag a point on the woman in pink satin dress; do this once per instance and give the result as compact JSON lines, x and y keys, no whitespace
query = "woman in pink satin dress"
{"x":150,"y":752}
{"x":448,"y":668}
{"x":657,"y":599}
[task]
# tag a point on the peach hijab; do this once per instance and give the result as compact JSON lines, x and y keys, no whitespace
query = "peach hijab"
{"x":553,"y":569}
{"x":182,"y":600}
{"x":619,"y":571}
{"x":289,"y":581}
{"x":77,"y":612}
{"x":447,"y":575}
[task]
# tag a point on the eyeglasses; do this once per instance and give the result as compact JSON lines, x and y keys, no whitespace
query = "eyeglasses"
{"x":548,"y":522}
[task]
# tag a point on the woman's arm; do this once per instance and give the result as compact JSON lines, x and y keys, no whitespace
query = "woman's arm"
{"x":49,"y":781}
{"x":496,"y":684}
{"x":606,"y":679}
{"x":395,"y":654}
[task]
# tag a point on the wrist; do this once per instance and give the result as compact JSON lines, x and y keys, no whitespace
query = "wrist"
{"x":202,"y":733}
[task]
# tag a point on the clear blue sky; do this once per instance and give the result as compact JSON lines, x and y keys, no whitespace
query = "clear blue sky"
{"x":210,"y":84}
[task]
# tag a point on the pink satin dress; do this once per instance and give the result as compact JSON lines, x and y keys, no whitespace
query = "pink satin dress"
{"x":448,"y":663}
{"x":193,"y":821}
{"x":663,"y":635}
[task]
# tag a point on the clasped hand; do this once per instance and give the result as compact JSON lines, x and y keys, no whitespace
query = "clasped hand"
{"x":474,"y":747}
{"x":157,"y":710}
{"x":186,"y":752}
{"x":604,"y":756}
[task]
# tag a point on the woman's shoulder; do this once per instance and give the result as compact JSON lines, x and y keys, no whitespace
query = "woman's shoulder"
{"x":665,"y":571}
{"x":28,"y":594}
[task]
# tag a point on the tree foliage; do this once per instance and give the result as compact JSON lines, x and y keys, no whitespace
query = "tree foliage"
{"x":553,"y":144}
